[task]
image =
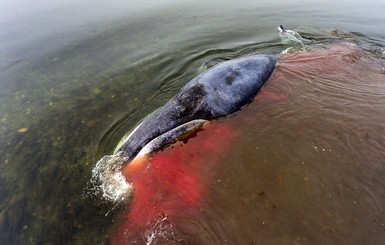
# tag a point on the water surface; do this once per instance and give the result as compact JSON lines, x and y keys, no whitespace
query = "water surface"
{"x":76,"y":76}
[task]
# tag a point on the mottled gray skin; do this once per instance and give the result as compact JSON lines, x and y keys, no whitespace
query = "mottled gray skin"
{"x":217,"y":92}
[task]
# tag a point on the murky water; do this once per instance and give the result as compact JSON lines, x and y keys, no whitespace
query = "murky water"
{"x":305,"y":164}
{"x":312,"y":166}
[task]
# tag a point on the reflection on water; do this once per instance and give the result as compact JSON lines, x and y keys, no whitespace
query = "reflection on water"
{"x":76,"y":76}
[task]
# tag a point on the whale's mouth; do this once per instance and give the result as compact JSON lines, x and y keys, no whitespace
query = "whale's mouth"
{"x":163,"y":139}
{"x":109,"y":180}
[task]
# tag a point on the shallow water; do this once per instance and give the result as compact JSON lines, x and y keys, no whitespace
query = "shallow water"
{"x":76,"y":76}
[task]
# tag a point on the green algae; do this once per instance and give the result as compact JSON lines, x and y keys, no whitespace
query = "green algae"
{"x":49,"y":134}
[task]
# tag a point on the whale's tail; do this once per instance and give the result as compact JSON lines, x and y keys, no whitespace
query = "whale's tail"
{"x":281,"y":29}
{"x":289,"y":35}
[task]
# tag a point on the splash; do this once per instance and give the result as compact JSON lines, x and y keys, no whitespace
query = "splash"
{"x":289,"y":36}
{"x":161,"y":230}
{"x":108,"y":181}
{"x":292,"y":38}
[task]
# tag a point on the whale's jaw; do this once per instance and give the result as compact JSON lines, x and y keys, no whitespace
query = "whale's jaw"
{"x":171,"y":136}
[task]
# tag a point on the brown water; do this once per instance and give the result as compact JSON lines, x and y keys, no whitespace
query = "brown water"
{"x":309,"y":166}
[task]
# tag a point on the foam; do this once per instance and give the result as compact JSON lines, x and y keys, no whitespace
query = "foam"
{"x":108,"y":180}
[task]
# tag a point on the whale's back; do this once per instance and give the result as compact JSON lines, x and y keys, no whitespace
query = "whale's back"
{"x":231,"y":84}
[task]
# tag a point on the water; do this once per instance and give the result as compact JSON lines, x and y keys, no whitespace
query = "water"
{"x":75,"y":76}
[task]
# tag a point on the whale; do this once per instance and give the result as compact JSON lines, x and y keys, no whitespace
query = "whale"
{"x":217,"y":92}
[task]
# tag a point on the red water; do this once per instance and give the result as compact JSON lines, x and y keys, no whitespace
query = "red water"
{"x":171,"y":185}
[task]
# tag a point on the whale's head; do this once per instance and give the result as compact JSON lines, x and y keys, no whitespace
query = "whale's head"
{"x":219,"y":91}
